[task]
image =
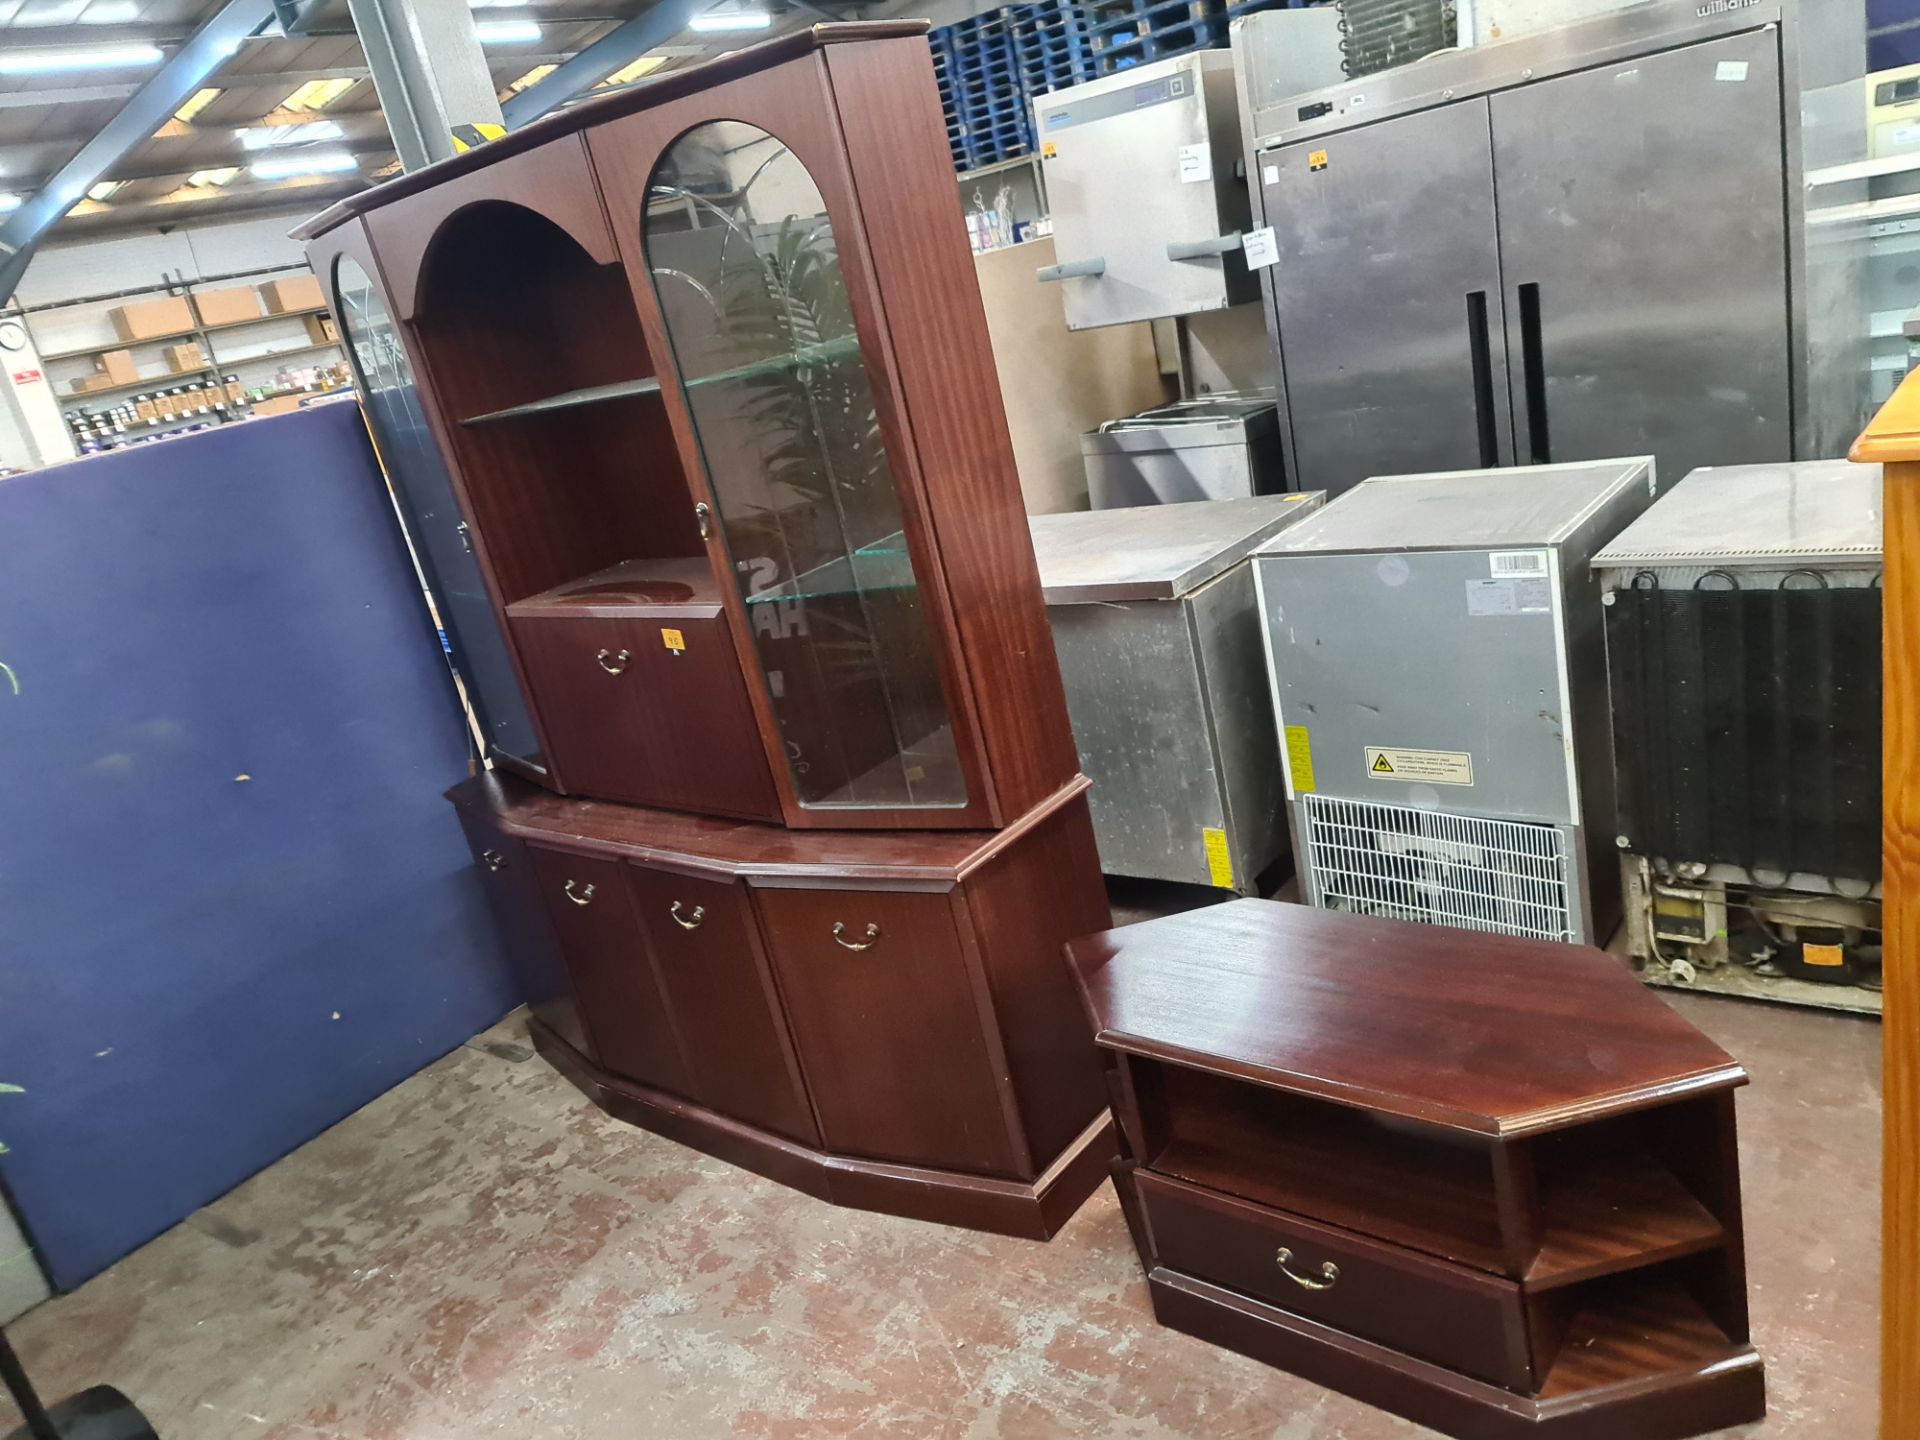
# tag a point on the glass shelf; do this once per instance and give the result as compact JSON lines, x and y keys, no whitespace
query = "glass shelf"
{"x":826,"y":351}
{"x":881,"y":566}
{"x":590,"y":395}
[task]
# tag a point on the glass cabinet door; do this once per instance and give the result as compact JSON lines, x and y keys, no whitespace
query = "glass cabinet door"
{"x":747,"y":274}
{"x":430,"y":516}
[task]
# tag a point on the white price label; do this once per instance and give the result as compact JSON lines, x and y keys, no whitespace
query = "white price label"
{"x":1261,"y":248}
{"x":1735,"y":70}
{"x":1270,"y":174}
{"x":1196,"y":164}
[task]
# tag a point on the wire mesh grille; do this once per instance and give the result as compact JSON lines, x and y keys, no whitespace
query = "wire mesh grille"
{"x":1503,"y":876}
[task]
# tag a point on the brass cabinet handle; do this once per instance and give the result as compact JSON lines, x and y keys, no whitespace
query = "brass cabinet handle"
{"x":1329,"y":1272}
{"x":704,"y":516}
{"x":619,"y":661}
{"x":688,"y":922}
{"x":495,"y":860}
{"x":584,"y":897}
{"x":840,"y":936}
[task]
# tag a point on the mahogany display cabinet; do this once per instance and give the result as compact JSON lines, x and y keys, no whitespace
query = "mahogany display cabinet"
{"x":687,"y":403}
{"x":1488,"y":1183}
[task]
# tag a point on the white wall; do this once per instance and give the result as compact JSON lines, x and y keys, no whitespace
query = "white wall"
{"x":66,"y":270}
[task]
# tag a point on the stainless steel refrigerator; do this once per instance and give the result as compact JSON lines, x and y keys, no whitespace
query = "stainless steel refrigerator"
{"x":1576,"y":243}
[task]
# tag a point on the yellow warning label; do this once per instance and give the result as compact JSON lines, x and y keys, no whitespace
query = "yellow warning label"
{"x":1049,"y":150}
{"x":1831,"y":956}
{"x":1426,"y":767}
{"x":471,"y":137}
{"x":1219,"y":862}
{"x":1300,"y":759}
{"x":673,"y":639}
{"x":1316,"y":160}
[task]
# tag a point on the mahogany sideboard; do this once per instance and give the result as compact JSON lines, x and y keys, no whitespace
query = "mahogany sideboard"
{"x":1487,"y":1183}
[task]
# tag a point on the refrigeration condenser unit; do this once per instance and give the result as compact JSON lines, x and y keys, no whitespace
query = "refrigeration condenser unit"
{"x":1439,"y":676}
{"x":1743,"y":638}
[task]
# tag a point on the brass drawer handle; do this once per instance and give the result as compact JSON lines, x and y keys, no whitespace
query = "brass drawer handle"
{"x":840,"y":936}
{"x":688,"y":922}
{"x":619,"y":661}
{"x":1329,"y":1272}
{"x":705,"y":516}
{"x":584,"y":897}
{"x":495,"y":860}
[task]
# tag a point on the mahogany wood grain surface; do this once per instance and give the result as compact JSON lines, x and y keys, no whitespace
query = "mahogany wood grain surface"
{"x":1444,"y":1313}
{"x":715,"y":978}
{"x":890,"y":1035}
{"x":766,"y":854}
{"x":1446,"y":1026}
{"x":648,"y":707}
{"x":591,"y":911}
{"x":1893,"y":437}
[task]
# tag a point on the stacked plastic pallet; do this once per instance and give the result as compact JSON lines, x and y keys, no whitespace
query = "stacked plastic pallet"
{"x":991,"y":66}
{"x":1134,"y":32}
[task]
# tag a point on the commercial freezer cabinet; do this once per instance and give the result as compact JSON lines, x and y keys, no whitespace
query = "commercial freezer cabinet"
{"x":1439,"y":673}
{"x":1155,"y":623}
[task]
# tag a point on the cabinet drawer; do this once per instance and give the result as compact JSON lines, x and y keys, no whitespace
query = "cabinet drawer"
{"x":723,"y":1001}
{"x":649,"y":711}
{"x":888,"y":1026}
{"x":620,"y":999}
{"x":1461,"y":1319}
{"x":513,"y":891}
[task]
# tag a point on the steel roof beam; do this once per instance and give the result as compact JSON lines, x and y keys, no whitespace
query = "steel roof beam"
{"x":146,"y":110}
{"x":612,"y":52}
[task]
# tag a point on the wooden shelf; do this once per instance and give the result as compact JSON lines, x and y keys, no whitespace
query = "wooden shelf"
{"x":623,"y":589}
{"x":589,"y":395}
{"x":1332,"y":1165}
{"x":1626,"y":1214}
{"x":1636,"y":1332}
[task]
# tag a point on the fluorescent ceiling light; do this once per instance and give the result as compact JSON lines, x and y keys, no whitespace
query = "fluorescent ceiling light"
{"x":269,"y":137}
{"x":196,"y":102}
{"x":203,"y":179}
{"x":107,"y":57}
{"x":320,"y":162}
{"x":731,"y":20}
{"x":103,"y":192}
{"x":532,"y":77}
{"x":8,"y":201}
{"x":629,"y":73}
{"x":110,"y":12}
{"x":319,"y":94}
{"x":507,"y":32}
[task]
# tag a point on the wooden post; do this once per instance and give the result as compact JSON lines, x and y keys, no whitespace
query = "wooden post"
{"x":1893,"y":438}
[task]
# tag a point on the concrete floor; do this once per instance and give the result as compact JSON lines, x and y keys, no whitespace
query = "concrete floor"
{"x":480,"y":1253}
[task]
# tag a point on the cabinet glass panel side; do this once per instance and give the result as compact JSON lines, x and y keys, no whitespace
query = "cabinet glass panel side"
{"x":747,"y":273}
{"x":430,"y":518}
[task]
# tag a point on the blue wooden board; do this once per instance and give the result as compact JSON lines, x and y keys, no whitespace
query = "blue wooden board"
{"x":200,"y":971}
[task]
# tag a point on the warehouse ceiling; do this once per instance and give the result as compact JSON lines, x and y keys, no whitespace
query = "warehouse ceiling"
{"x":275,"y":105}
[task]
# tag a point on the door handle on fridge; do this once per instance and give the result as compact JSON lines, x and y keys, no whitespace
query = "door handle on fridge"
{"x":1203,"y":249}
{"x":1071,"y":268}
{"x":1533,"y":370}
{"x":1480,"y":349}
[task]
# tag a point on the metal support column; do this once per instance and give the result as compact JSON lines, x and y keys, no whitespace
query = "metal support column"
{"x":613,"y":51}
{"x":429,"y":71}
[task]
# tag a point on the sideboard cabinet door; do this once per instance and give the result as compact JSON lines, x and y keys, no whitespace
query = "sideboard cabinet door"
{"x":626,"y":1015}
{"x":514,"y":893}
{"x":716,"y":981}
{"x":889,"y":1026}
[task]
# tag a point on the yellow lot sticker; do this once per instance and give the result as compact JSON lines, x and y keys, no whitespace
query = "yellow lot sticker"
{"x":1300,"y":759}
{"x":673,"y":639}
{"x":1219,"y":862}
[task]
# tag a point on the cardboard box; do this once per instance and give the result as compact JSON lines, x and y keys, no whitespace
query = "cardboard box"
{"x":292,"y":293}
{"x":185,"y":359}
{"x":87,"y":384}
{"x":278,"y":405}
{"x":152,"y":319}
{"x":321,"y":330}
{"x":117,"y":366}
{"x":236,"y":392}
{"x":227,"y":307}
{"x":145,"y":410}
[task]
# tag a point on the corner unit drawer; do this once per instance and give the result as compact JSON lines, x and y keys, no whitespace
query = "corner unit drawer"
{"x":621,"y":1003}
{"x":889,"y":1026}
{"x":1458,"y":1318}
{"x":648,"y":710}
